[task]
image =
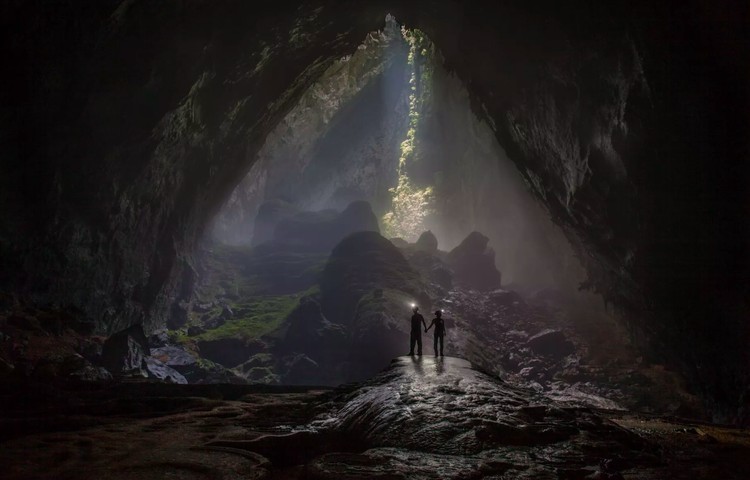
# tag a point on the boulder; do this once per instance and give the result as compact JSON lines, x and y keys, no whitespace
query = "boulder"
{"x":173,"y":356}
{"x":427,"y":242}
{"x":357,"y":217}
{"x":551,"y":343}
{"x":158,"y":339}
{"x":195,"y":330}
{"x":125,"y":351}
{"x":301,"y":370}
{"x":89,"y":374}
{"x":359,"y":264}
{"x":474,"y":263}
{"x":90,"y":349}
{"x":261,"y":368}
{"x":58,"y":366}
{"x":157,"y":369}
{"x":264,"y":375}
{"x":309,"y":332}
{"x":213,"y":323}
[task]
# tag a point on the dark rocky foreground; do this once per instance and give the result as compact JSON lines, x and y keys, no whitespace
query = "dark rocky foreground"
{"x":421,"y":418}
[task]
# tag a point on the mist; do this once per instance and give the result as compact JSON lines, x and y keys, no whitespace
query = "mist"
{"x":344,"y":141}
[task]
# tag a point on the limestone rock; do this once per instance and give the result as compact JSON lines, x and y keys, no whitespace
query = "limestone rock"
{"x":91,"y":374}
{"x":427,"y":242}
{"x":158,"y":339}
{"x":301,"y":370}
{"x":310,"y":332}
{"x":551,"y":343}
{"x":125,"y":351}
{"x":173,"y":356}
{"x":363,"y":262}
{"x":474,"y":263}
{"x":195,"y":330}
{"x":157,"y":369}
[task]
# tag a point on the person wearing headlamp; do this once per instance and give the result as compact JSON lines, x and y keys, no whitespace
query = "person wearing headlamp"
{"x":439,"y":334}
{"x":417,"y":322}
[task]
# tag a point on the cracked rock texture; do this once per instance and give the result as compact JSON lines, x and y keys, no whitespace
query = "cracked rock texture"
{"x":419,"y":419}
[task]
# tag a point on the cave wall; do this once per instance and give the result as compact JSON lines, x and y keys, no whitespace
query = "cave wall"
{"x":629,"y":121}
{"x":124,"y":127}
{"x":478,"y":188}
{"x":343,"y":140}
{"x":350,"y":122}
{"x":122,"y":154}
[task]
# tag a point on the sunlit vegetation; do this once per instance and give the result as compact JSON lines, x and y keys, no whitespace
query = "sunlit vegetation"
{"x":412,"y":203}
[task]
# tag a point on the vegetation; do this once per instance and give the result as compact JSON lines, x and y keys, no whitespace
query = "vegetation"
{"x":412,"y":203}
{"x":261,"y":315}
{"x":260,"y":285}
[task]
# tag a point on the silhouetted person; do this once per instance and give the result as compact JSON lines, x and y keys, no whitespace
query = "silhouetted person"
{"x":439,"y":331}
{"x":417,"y":322}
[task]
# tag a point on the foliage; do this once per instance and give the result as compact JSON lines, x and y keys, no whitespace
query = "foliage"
{"x":410,"y":207}
{"x":254,"y":318}
{"x":410,"y":203}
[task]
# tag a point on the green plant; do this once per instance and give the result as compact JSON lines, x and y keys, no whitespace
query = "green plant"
{"x":410,"y":203}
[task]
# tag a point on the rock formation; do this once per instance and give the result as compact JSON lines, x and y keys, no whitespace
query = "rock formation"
{"x":623,"y":122}
{"x":474,"y":263}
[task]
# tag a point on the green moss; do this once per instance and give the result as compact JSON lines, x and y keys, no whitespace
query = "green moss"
{"x":263,"y":315}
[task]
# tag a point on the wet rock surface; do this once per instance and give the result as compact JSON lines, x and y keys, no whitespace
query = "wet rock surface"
{"x":361,"y":263}
{"x":570,"y":351}
{"x":422,"y":418}
{"x":598,"y":111}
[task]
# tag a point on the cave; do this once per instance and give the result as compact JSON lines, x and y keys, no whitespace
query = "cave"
{"x":219,"y":217}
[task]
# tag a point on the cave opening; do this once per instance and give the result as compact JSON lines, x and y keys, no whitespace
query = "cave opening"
{"x":386,"y":140}
{"x":254,"y":195}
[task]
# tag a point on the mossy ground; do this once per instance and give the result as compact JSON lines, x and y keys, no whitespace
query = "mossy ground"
{"x":262,"y":315}
{"x":261,"y":286}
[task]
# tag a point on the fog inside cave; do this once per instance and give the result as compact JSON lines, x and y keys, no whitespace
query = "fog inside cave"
{"x":242,"y":239}
{"x":391,"y":126}
{"x":386,"y":140}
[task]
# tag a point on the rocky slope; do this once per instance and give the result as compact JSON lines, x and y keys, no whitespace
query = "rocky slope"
{"x":339,"y":143}
{"x":286,"y":313}
{"x":419,"y":419}
{"x":126,"y":126}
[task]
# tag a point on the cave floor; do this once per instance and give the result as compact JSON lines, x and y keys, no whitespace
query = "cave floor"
{"x":423,"y":417}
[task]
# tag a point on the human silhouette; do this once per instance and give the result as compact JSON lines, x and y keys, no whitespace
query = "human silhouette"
{"x":417,"y":322}
{"x":439,"y":331}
